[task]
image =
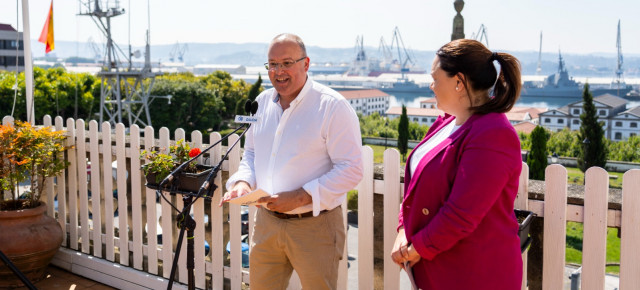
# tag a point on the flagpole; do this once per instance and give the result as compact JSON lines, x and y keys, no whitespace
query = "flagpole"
{"x":28,"y":64}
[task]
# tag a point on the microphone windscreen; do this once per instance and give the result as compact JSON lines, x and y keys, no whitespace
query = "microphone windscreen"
{"x":254,"y":107}
{"x":247,"y":106}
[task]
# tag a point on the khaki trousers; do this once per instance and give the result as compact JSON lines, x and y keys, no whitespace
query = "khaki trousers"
{"x":312,"y":246}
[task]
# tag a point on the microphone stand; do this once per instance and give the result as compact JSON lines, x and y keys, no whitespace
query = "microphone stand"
{"x":184,"y":219}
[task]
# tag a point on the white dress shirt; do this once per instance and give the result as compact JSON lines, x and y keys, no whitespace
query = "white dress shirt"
{"x":314,"y":144}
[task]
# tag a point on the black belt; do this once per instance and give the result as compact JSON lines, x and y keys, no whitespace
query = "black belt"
{"x":285,"y":216}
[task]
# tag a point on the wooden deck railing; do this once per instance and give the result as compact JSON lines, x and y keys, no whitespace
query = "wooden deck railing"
{"x":111,"y":221}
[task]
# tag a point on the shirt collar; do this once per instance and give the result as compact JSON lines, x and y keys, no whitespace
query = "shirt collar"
{"x":307,"y":86}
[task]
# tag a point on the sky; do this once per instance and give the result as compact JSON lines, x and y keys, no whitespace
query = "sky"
{"x":573,"y":26}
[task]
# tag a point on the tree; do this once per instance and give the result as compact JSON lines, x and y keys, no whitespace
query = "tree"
{"x":193,"y":106}
{"x":226,"y":89}
{"x":56,"y":93}
{"x":403,"y":133}
{"x":417,"y":131}
{"x":593,"y":151}
{"x":628,"y":150}
{"x":565,"y":143}
{"x":256,"y":88}
{"x":537,"y":157}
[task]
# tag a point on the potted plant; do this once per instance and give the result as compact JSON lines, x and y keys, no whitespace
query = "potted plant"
{"x":29,"y":156}
{"x":160,"y":164}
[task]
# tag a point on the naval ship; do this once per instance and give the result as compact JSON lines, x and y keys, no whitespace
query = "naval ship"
{"x":561,"y":85}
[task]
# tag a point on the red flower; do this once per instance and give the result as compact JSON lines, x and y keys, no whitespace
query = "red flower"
{"x":194,"y":152}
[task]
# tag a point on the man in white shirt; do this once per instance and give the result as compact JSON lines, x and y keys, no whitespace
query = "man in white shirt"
{"x":305,"y":151}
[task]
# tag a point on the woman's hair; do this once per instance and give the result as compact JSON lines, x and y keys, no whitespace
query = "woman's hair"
{"x":475,"y":62}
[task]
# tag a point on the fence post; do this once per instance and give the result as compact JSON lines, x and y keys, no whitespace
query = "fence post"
{"x":392,"y":201}
{"x":555,"y":226}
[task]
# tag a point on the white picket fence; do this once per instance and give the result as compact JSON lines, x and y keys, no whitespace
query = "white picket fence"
{"x":95,"y":249}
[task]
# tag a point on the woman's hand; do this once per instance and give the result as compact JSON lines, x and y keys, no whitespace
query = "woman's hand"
{"x":403,"y":252}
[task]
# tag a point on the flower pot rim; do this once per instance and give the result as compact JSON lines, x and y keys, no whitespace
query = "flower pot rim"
{"x":26,"y":211}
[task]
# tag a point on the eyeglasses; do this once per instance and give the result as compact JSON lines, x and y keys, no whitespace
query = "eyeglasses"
{"x":272,"y":65}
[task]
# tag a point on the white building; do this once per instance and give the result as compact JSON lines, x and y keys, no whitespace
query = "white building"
{"x":203,"y":69}
{"x":518,"y":117}
{"x":367,"y":102}
{"x":534,"y":113}
{"x":10,"y":39}
{"x":429,"y":103}
{"x":626,"y":124}
{"x":618,"y":122}
{"x":515,"y":116}
{"x":422,"y":116}
{"x":426,"y":115}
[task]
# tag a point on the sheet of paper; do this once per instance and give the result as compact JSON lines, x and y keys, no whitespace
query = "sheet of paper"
{"x":410,"y":274}
{"x":250,"y":198}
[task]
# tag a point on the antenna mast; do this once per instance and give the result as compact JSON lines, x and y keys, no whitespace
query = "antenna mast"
{"x":539,"y":69}
{"x":619,"y":71}
{"x":123,"y":92}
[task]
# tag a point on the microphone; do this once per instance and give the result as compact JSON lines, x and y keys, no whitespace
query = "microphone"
{"x":251,"y":108}
{"x":254,"y":107}
{"x":247,"y":106}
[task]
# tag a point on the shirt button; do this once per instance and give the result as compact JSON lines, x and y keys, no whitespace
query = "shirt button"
{"x":425,"y":211}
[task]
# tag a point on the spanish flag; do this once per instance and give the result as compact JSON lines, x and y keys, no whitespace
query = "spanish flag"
{"x":46,"y":36}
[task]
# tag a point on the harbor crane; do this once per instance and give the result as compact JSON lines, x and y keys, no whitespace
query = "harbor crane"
{"x":482,"y":34}
{"x":97,"y":51}
{"x":398,"y":44}
{"x":360,"y":65}
{"x":384,"y":50}
{"x":178,"y":51}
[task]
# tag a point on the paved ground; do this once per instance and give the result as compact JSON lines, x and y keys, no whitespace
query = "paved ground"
{"x":352,"y":244}
{"x":58,"y":279}
{"x":611,"y":282}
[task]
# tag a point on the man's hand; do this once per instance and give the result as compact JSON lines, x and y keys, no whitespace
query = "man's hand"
{"x":287,"y":200}
{"x":239,"y":189}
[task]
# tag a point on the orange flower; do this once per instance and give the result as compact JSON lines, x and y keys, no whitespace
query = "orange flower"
{"x":194,"y":152}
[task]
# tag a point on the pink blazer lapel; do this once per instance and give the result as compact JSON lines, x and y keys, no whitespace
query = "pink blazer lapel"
{"x":435,"y":151}
{"x":437,"y":125}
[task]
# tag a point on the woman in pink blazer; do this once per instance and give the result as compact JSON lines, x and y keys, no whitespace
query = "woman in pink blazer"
{"x":457,"y":228}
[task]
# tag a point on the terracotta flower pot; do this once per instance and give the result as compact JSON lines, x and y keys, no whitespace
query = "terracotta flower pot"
{"x":30,"y":239}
